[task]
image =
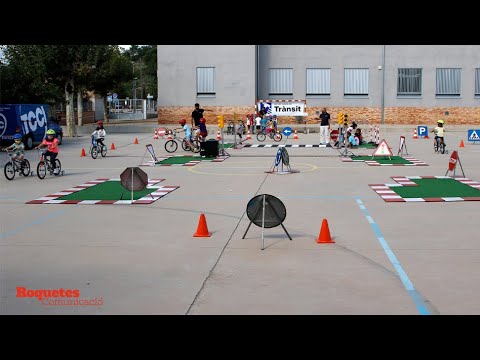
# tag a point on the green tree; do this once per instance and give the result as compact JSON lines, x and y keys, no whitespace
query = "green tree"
{"x":46,"y":73}
{"x":112,"y":74}
{"x":24,"y":78}
{"x":144,"y":62}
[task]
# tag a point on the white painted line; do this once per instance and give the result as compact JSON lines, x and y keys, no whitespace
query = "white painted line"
{"x":414,"y":199}
{"x":453,"y":199}
{"x":123,"y":202}
{"x":88,"y":202}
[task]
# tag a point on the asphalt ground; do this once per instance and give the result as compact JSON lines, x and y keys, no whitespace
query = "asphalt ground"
{"x":388,"y":258}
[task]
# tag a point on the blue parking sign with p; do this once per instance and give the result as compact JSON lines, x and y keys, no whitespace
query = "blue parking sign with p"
{"x":422,"y":130}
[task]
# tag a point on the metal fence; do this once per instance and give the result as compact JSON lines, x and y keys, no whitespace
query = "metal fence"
{"x":132,"y":109}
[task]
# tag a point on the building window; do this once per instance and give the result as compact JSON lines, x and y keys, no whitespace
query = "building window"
{"x":318,"y":81}
{"x":448,"y":82}
{"x":281,"y":82}
{"x":477,"y":82}
{"x":205,"y":81}
{"x":409,"y":82}
{"x":356,"y":82}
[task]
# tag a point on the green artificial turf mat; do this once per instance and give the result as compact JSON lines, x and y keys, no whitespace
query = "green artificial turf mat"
{"x":180,"y":160}
{"x":436,"y":188}
{"x":108,"y":190}
{"x":382,"y":159}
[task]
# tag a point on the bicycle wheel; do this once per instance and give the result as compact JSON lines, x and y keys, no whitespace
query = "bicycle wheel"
{"x":196,"y":146}
{"x":261,"y":136}
{"x":9,"y":170}
{"x":25,"y":167}
{"x":171,"y":146}
{"x":58,"y":165}
{"x":104,"y":150}
{"x":185,"y":145}
{"x":435,"y":146}
{"x":41,"y":170}
{"x":277,"y":137}
{"x":94,"y":152}
{"x":442,"y":147}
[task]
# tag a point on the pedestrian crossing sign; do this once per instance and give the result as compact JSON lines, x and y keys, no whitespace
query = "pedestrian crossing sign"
{"x":473,"y":135}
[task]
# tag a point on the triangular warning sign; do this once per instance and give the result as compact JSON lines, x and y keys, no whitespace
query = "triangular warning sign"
{"x":474,"y":136}
{"x":382,"y":149}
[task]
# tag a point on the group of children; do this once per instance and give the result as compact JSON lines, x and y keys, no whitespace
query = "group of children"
{"x":349,"y":135}
{"x":262,"y":123}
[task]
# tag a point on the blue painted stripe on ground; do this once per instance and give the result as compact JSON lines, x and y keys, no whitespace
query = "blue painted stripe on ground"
{"x":414,"y":295}
{"x":38,"y":221}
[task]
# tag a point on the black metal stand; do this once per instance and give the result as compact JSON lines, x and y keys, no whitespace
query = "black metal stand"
{"x":262,"y":205}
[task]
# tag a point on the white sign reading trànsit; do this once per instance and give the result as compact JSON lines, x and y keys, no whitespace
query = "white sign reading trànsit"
{"x":283,"y":107}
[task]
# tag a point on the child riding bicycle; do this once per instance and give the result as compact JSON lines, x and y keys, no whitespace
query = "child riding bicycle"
{"x":99,"y":134}
{"x":51,"y":142}
{"x":187,"y":131}
{"x":18,"y":148}
{"x":439,"y":130}
{"x":201,"y":131}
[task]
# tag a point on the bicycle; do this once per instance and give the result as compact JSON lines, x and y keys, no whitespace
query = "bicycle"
{"x":439,"y":145}
{"x":276,"y":136}
{"x":230,"y":128}
{"x":96,"y":148}
{"x":45,"y":165}
{"x":14,"y":165}
{"x":172,"y":145}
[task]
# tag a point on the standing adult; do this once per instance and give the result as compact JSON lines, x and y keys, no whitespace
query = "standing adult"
{"x":324,"y":127}
{"x":197,"y":114}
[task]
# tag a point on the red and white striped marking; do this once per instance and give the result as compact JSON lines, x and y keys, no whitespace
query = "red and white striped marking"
{"x":414,"y":162}
{"x":160,"y":191}
{"x":387,"y":194}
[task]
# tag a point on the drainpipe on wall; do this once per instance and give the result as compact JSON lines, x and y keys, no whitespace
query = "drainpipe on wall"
{"x":257,"y":71}
{"x":383,"y":84}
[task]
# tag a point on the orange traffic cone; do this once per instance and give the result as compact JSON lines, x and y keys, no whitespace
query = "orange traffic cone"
{"x":155,"y":135}
{"x":295,"y":135}
{"x":112,"y":147}
{"x":462,"y":144}
{"x":83,"y":153}
{"x":219,"y":137}
{"x":202,"y":229}
{"x":415,"y":134}
{"x":170,"y":135}
{"x":136,"y":141}
{"x":324,"y":236}
{"x":248,"y":135}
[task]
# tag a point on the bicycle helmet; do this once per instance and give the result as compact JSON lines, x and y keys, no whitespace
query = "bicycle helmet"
{"x":182,"y":122}
{"x":100,"y":122}
{"x":17,"y":137}
{"x":202,"y":120}
{"x":50,"y":132}
{"x":440,"y":121}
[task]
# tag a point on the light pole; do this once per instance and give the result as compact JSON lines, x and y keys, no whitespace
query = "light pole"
{"x":134,"y":96}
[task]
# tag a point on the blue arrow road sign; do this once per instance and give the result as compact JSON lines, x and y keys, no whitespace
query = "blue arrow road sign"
{"x":287,"y":131}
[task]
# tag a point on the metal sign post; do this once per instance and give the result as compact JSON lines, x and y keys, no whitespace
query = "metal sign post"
{"x":273,"y":214}
{"x":401,"y":146}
